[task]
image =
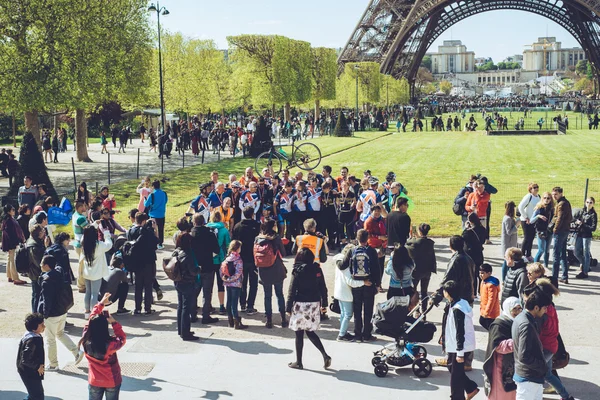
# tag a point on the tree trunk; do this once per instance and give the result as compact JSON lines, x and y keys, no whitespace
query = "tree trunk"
{"x":317,"y":108}
{"x":274,"y":111}
{"x":14,"y":130}
{"x":287,"y":111}
{"x":81,"y":135}
{"x":32,"y":124}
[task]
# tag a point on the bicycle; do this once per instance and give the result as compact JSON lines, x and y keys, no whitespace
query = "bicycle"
{"x":306,"y":156}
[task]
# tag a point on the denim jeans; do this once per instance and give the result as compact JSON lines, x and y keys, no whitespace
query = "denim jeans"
{"x":186,"y":305}
{"x":543,"y":250}
{"x":35,"y":389}
{"x":269,"y":295}
{"x":92,"y":290}
{"x":345,"y":316}
{"x":559,"y":255}
{"x":504,"y":270}
{"x":582,"y":252}
{"x":233,"y":299}
{"x":552,"y":379}
{"x":97,"y":393}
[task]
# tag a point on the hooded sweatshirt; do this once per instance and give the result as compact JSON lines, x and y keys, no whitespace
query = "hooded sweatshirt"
{"x":223,"y":238}
{"x":460,"y":332}
{"x":489,"y":307}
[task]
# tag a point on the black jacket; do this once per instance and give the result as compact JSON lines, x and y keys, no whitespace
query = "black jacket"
{"x":541,"y":226}
{"x":307,"y":285}
{"x":422,"y":251}
{"x":205,"y":244}
{"x":36,"y":250}
{"x":462,"y":200}
{"x":459,"y":270}
{"x":187,"y":263}
{"x":52,"y":283}
{"x":527,"y":348}
{"x":62,"y":260}
{"x":246,"y":231}
{"x":30,"y":356}
{"x":375,"y":271}
{"x":589,"y":221}
{"x":148,"y":241}
{"x":499,"y":331}
{"x":515,"y":282}
{"x":398,"y":227}
{"x":474,"y":239}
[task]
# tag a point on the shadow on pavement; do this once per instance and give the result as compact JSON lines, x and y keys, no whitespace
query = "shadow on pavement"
{"x":215,"y":395}
{"x":16,"y":395}
{"x":405,"y":382}
{"x":252,"y":347}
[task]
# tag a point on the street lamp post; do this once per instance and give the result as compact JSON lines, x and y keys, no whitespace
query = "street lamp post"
{"x":157,"y":8}
{"x":356,"y":68}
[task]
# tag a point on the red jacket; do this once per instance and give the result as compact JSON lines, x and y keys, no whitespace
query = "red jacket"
{"x":549,"y":331}
{"x":105,"y":372}
{"x":375,"y":228}
{"x":480,"y":201}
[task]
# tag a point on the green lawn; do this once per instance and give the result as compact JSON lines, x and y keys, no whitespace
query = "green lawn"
{"x":432,"y":165}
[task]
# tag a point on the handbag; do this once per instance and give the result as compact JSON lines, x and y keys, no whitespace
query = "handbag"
{"x":562,"y":357}
{"x":334,"y":307}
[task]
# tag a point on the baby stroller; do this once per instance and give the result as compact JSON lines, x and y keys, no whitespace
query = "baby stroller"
{"x":392,"y":318}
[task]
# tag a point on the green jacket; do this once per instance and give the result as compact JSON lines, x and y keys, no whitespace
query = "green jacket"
{"x":222,"y":238}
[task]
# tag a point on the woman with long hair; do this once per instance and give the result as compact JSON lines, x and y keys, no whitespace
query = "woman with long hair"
{"x":542,"y":215}
{"x":307,"y":299}
{"x":12,"y":236}
{"x":400,"y":268}
{"x":94,"y":263}
{"x":216,"y":224}
{"x":144,"y":189}
{"x":508,"y":237}
{"x":100,"y":348}
{"x":83,"y":194}
{"x":587,"y":222}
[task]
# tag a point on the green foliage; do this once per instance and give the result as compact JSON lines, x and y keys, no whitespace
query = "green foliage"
{"x":426,"y":62}
{"x":446,"y":87}
{"x":6,"y":126}
{"x":398,"y":90}
{"x":581,"y":67}
{"x":32,"y":164}
{"x":488,"y":66}
{"x":369,"y":82}
{"x":292,"y":75}
{"x":341,"y":126}
{"x":324,"y":73}
{"x":590,"y":71}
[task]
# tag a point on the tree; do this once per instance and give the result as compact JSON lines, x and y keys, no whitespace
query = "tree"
{"x":292,"y":75}
{"x":590,"y":71}
{"x":426,"y":62}
{"x":32,"y":164}
{"x":341,"y":127}
{"x":424,"y":77}
{"x":581,"y":67}
{"x":324,"y":73}
{"x":446,"y":87}
{"x":397,"y":91}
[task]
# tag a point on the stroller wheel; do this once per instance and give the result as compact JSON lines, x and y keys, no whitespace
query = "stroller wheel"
{"x":419,"y":351}
{"x":375,"y":361}
{"x":381,"y":370}
{"x":421,"y":368}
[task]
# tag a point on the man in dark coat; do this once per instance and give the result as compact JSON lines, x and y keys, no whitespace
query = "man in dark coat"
{"x":246,"y":231}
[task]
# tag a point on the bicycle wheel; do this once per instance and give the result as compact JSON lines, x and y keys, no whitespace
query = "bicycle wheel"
{"x":266,"y":160}
{"x":307,"y":156}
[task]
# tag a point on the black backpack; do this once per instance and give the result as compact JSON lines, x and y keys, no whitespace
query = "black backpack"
{"x":133,"y":253}
{"x":22,"y":259}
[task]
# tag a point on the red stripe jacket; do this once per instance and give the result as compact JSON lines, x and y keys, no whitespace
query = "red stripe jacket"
{"x":105,"y":372}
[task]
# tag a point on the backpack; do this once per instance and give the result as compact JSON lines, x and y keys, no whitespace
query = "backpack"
{"x":457,"y":209}
{"x":22,"y":259}
{"x":172,"y":268}
{"x":360,"y":267}
{"x":264,"y":254}
{"x":227,"y":268}
{"x":132,"y":252}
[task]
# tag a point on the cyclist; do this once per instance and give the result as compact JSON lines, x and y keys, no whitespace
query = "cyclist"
{"x":282,"y":207}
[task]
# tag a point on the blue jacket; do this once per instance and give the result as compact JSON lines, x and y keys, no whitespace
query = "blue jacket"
{"x":157,"y":203}
{"x":400,"y":282}
{"x":223,"y":239}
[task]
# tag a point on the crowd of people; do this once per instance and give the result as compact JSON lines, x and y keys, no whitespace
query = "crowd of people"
{"x":237,"y":232}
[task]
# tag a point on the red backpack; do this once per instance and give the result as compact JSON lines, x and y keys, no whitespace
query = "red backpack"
{"x":264,"y":254}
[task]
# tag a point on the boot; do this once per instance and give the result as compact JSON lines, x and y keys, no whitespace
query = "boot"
{"x":230,"y":318}
{"x":284,"y":322}
{"x":269,"y":323}
{"x":238,"y":324}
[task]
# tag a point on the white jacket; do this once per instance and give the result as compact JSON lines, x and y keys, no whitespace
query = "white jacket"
{"x":343,"y":284}
{"x":527,"y":206}
{"x":98,"y":269}
{"x":451,"y":337}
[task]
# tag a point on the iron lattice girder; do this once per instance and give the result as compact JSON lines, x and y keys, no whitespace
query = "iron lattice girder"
{"x":397,"y":33}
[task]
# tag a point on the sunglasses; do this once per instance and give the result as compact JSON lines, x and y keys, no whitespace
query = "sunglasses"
{"x":535,"y":187}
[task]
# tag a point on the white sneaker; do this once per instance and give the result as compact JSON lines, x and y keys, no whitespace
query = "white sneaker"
{"x":86,"y":315}
{"x":78,"y":357}
{"x":50,"y":368}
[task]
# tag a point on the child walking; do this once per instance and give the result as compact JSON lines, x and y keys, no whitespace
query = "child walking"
{"x":31,"y":356}
{"x":232,"y":270}
{"x":460,"y":339}
{"x":489,"y":307}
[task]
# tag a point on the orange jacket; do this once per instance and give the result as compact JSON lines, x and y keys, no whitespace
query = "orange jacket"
{"x":489,"y":290}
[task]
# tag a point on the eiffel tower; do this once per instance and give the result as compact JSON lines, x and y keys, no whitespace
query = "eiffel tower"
{"x":397,"y":33}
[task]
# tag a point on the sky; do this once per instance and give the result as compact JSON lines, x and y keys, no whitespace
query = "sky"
{"x":329,"y":23}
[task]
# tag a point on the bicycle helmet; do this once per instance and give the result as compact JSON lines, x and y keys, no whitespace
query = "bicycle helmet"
{"x":390,"y":177}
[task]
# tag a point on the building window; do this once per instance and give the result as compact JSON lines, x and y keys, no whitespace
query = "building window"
{"x":479,"y":80}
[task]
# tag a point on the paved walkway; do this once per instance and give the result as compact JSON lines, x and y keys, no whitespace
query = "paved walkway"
{"x":252,"y":364}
